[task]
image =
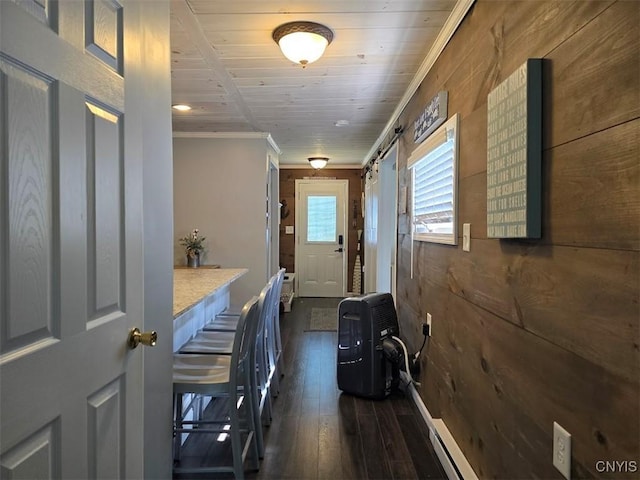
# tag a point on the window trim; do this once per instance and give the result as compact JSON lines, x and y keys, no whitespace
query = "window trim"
{"x":434,"y":141}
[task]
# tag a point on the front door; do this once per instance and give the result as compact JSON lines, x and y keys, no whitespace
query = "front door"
{"x":70,"y":240}
{"x":321,"y":243}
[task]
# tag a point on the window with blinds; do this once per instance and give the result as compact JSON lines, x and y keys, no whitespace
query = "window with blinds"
{"x":434,"y":172}
{"x":322,"y":214}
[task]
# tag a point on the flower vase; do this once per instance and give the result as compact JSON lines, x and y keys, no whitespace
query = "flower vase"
{"x":193,"y":260}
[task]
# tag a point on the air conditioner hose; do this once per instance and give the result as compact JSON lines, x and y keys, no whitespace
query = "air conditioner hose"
{"x":406,"y":359}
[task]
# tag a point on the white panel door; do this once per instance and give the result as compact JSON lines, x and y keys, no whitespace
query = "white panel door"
{"x":70,"y":241}
{"x":385,"y":237}
{"x":380,"y":226}
{"x":321,"y":237}
{"x":387,"y":224}
{"x":371,"y":214}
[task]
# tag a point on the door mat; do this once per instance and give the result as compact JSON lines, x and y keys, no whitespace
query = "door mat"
{"x":322,"y":320}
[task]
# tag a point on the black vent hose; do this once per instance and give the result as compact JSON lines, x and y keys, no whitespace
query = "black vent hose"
{"x":392,"y":351}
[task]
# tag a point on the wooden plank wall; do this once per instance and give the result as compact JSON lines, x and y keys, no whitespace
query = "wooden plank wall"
{"x":526,"y":333}
{"x":288,"y":179}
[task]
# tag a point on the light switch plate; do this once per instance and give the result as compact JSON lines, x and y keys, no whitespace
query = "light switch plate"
{"x":466,"y":237}
{"x":288,"y":229}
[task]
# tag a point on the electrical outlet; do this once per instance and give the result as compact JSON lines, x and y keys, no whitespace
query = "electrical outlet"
{"x":429,"y":323}
{"x":562,"y":450}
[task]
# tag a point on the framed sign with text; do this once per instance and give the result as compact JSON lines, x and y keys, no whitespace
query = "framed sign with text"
{"x":514,"y":154}
{"x":433,"y":115}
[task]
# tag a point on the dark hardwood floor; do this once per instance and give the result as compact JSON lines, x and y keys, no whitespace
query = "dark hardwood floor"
{"x":318,"y":432}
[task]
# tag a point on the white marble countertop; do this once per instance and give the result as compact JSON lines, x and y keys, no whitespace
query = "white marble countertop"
{"x":191,"y":285}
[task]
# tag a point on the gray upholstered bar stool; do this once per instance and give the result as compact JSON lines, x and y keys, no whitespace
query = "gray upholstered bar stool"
{"x":230,"y":377}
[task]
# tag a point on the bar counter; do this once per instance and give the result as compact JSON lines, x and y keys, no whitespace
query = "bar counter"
{"x":192,"y":285}
{"x":199,"y":294}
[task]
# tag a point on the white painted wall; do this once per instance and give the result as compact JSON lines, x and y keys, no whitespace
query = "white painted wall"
{"x":220,"y":187}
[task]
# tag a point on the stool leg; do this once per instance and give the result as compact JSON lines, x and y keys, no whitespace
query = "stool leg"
{"x":266,"y":410}
{"x":254,"y":398}
{"x":201,"y":399}
{"x":252,"y":407}
{"x":236,"y":442}
{"x":177,"y":436}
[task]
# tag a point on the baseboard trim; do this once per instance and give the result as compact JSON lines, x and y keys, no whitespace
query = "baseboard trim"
{"x":451,"y":457}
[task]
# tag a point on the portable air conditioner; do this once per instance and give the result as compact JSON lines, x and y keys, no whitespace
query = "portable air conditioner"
{"x":366,"y":363}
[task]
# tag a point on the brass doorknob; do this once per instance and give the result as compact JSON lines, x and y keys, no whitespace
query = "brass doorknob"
{"x":145,"y":338}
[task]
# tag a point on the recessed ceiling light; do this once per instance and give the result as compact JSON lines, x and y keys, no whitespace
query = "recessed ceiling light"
{"x":341,"y":123}
{"x":181,"y":107}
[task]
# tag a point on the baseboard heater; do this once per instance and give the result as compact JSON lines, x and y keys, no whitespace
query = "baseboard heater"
{"x":451,"y":457}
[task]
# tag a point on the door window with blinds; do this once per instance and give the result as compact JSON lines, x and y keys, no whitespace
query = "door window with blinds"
{"x":321,"y":218}
{"x":434,"y":178}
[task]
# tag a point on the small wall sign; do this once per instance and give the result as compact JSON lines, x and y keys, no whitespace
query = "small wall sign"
{"x":433,"y":115}
{"x":514,"y":152}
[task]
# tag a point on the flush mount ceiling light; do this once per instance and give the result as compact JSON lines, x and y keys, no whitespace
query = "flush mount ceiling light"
{"x":302,"y":42}
{"x":318,"y":162}
{"x":181,"y":107}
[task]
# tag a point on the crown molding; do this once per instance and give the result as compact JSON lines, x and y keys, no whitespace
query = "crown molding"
{"x":232,"y":135}
{"x":453,"y":22}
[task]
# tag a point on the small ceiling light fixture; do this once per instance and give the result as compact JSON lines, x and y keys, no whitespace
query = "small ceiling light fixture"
{"x":181,"y":107}
{"x":302,"y":42}
{"x":318,"y":162}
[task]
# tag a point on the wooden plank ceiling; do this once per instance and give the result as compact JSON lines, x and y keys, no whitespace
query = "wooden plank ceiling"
{"x":227,"y":67}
